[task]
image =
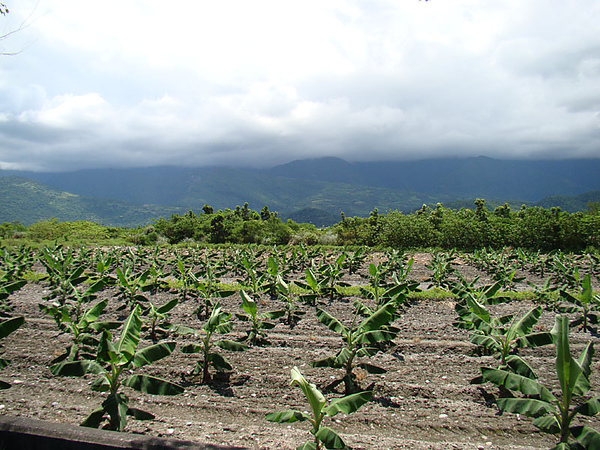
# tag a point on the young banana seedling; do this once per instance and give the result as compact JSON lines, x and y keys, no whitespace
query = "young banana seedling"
{"x":219,"y":322}
{"x":503,"y":336}
{"x":323,"y":435}
{"x":555,"y":414}
{"x":586,"y":304}
{"x":362,"y":339}
{"x":112,"y":361}
{"x":257,"y":334}
{"x":80,"y":322}
{"x":293,"y":313}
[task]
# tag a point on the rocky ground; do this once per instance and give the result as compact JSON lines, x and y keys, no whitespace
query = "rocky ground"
{"x":423,"y":401}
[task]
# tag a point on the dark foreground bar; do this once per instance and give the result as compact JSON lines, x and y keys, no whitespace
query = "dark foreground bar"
{"x":28,"y":434}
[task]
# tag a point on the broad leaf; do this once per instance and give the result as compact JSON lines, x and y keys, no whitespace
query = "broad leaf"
{"x":248,"y":304}
{"x":93,"y":313}
{"x":152,"y":385}
{"x":348,"y":404}
{"x":76,"y":368}
{"x":130,"y":336}
{"x":287,"y":416}
{"x":567,"y":368}
{"x":116,"y":407}
{"x":535,"y":340}
{"x":94,"y":419}
{"x":381,"y":317}
{"x":477,"y":308}
{"x":526,"y":406}
{"x":331,"y":322}
{"x":373,"y":337}
{"x":588,"y":436}
{"x":516,"y":382}
{"x":525,"y":324}
{"x":312,"y":394}
{"x":547,"y":423}
{"x":330,"y":438}
{"x":10,"y":325}
{"x":219,"y":362}
{"x":153,"y":353}
{"x":168,"y":306}
{"x":519,"y":366}
{"x":192,"y":348}
{"x":230,"y":345}
{"x":589,"y":408}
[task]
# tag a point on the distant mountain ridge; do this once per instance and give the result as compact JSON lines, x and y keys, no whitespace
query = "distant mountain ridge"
{"x":456,"y":177}
{"x":310,"y":190}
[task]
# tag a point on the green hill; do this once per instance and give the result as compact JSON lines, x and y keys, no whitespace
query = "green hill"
{"x":28,"y":202}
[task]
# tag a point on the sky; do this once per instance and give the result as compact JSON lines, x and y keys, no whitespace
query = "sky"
{"x":241,"y":83}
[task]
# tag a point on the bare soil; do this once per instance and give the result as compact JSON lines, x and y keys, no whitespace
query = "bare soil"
{"x":424,"y":401}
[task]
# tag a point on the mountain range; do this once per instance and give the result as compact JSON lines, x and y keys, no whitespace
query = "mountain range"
{"x":313,"y":190}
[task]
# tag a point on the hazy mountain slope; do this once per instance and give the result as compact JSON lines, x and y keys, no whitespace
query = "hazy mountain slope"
{"x":226,"y":188}
{"x":28,"y":201}
{"x":467,"y":177}
{"x":571,"y":204}
{"x":314,"y":190}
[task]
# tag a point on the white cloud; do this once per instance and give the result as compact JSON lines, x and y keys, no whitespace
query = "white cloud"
{"x":235,"y":82}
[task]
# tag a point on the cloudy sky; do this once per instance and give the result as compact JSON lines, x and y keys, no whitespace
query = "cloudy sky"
{"x":262,"y":82}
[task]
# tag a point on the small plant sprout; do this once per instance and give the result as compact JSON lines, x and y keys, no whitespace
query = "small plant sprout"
{"x":157,"y":322}
{"x":503,"y":336}
{"x":584,"y":304}
{"x":362,"y":339}
{"x":555,"y":414}
{"x":323,"y":435}
{"x":293,"y":314}
{"x":219,"y":322}
{"x":257,"y":334}
{"x":113,"y":360}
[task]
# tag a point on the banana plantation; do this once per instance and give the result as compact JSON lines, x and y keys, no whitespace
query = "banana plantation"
{"x":298,"y":346}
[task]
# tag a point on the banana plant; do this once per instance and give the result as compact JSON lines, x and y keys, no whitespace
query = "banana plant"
{"x":257,"y":334}
{"x":584,"y":304}
{"x":315,"y":288}
{"x":219,"y":322}
{"x":16,"y":262}
{"x":355,"y":260}
{"x":503,"y":336}
{"x":184,"y":273}
{"x":112,"y":361}
{"x":362,"y":339}
{"x":82,"y":324}
{"x":6,"y":328}
{"x":471,"y":303}
{"x":555,"y":414}
{"x":273,"y":272}
{"x":206,"y":285}
{"x":292,"y":312}
{"x":7,"y":286}
{"x":323,"y":436}
{"x":132,"y":286}
{"x":102,"y":268}
{"x":441,"y":268}
{"x":157,"y":319}
{"x":63,"y":271}
{"x":383,"y":292}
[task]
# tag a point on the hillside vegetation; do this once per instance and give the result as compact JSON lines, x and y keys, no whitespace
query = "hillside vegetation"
{"x":314,"y":191}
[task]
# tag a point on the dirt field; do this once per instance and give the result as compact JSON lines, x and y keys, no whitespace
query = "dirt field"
{"x":424,"y":401}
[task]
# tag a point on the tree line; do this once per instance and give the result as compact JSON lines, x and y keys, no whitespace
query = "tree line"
{"x":466,"y":229}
